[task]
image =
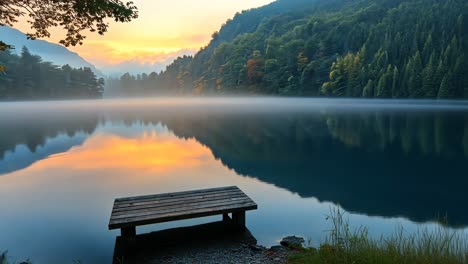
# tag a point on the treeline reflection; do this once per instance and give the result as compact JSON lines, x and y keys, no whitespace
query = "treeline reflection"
{"x":34,"y":129}
{"x":374,"y":162}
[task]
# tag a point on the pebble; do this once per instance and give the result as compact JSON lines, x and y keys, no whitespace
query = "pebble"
{"x":221,"y":254}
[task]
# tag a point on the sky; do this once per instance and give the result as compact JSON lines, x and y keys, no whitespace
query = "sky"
{"x":165,"y":29}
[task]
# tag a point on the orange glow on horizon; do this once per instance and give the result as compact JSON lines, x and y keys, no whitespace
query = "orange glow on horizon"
{"x":153,"y":160}
{"x":163,"y":27}
{"x":149,"y":152}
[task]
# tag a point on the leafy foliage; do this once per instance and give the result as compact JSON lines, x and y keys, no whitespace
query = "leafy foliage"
{"x":28,"y":77}
{"x":364,"y":48}
{"x":73,"y":16}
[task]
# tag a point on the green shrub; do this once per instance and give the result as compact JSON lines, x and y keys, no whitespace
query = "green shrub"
{"x":343,"y":246}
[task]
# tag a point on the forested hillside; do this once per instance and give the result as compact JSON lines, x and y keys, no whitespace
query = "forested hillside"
{"x":27,"y":77}
{"x":48,"y":51}
{"x":361,"y":48}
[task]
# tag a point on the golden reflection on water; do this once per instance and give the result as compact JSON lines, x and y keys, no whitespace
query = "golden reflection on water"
{"x":77,"y":188}
{"x":157,"y":152}
{"x":121,"y":164}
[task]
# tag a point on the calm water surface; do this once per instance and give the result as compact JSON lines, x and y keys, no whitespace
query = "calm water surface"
{"x":387,"y":163}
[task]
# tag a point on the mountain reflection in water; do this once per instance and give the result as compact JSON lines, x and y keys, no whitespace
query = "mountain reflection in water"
{"x":386,"y":161}
{"x":387,"y":158}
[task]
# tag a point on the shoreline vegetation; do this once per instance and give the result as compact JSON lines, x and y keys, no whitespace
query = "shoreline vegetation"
{"x":28,"y":77}
{"x":346,"y":246}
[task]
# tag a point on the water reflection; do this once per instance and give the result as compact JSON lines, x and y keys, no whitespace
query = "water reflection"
{"x":158,"y":152}
{"x":425,"y":133}
{"x":23,"y":156}
{"x":351,"y":160}
{"x":63,"y":166}
{"x":27,"y":135}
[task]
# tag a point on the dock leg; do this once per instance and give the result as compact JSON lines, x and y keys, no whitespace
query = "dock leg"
{"x":239,"y":219}
{"x":129,"y":235}
{"x":226,"y":218}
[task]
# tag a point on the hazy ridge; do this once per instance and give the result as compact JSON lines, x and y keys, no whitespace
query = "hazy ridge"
{"x":384,"y":48}
{"x":54,"y":53}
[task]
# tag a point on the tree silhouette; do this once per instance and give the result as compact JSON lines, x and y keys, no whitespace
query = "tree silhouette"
{"x":27,"y":77}
{"x":74,"y":16}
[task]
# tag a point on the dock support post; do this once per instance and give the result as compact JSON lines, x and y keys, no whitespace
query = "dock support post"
{"x":226,"y":218}
{"x":239,"y":219}
{"x":129,"y":234}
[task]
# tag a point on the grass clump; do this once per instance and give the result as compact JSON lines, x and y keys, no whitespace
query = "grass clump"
{"x":4,"y":259}
{"x":343,"y":246}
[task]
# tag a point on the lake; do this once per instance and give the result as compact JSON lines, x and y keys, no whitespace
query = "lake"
{"x":387,"y":163}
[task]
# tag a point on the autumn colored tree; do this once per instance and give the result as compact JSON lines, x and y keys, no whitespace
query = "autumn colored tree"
{"x":255,"y":68}
{"x":393,"y":49}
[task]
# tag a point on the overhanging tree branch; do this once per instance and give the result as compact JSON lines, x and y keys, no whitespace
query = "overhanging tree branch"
{"x":75,"y":16}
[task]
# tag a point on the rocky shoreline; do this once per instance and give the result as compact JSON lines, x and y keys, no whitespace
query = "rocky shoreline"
{"x":212,"y":243}
{"x":236,"y":253}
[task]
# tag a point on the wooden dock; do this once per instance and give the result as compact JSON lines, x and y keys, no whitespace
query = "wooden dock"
{"x":130,"y":212}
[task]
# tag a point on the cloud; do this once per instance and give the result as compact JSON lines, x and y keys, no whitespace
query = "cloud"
{"x":163,"y":27}
{"x":145,"y":50}
{"x":145,"y":63}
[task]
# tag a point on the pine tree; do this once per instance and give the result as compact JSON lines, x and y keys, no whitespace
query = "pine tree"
{"x":451,"y":52}
{"x":428,"y":78}
{"x":368,"y":90}
{"x":25,"y":82}
{"x":395,"y":88}
{"x":384,"y":84}
{"x":381,"y":86}
{"x":28,"y":77}
{"x":444,"y":89}
{"x":439,"y":75}
{"x":459,"y":75}
{"x":307,"y":52}
{"x":428,"y":48}
{"x":404,"y":83}
{"x":415,"y":81}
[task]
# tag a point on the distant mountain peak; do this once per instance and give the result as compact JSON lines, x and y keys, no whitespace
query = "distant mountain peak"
{"x":48,"y":51}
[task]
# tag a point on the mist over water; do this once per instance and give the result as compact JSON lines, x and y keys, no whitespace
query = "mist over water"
{"x":237,"y":104}
{"x":386,"y":162}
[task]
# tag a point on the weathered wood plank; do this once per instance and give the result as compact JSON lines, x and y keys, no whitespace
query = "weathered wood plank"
{"x":182,"y":209}
{"x":162,"y":195}
{"x":178,"y":216}
{"x":178,"y":208}
{"x":158,"y":207}
{"x":187,"y":196}
{"x":231,"y":208}
{"x":174,"y":199}
{"x":151,"y":209}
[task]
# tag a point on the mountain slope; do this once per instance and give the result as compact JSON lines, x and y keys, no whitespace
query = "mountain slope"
{"x":345,"y":48}
{"x":55,"y":53}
